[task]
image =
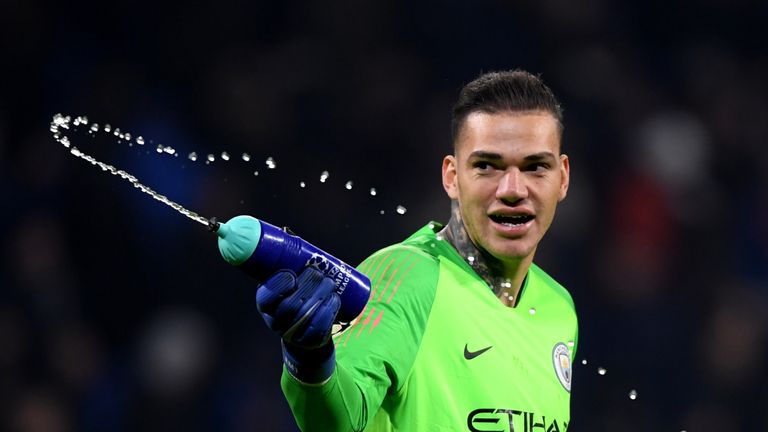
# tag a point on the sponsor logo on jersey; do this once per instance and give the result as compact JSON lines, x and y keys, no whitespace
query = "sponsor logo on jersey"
{"x":561,"y":359}
{"x":469,"y":355}
{"x":491,"y":419}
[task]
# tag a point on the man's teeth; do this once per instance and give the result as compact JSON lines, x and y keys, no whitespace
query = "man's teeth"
{"x":513,"y":220}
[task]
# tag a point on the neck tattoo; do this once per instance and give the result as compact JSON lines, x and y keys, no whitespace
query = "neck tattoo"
{"x":456,"y":234}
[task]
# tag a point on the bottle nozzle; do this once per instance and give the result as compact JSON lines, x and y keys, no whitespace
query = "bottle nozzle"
{"x":213,"y":225}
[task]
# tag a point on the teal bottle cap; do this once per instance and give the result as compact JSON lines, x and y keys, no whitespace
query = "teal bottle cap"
{"x":238,"y":238}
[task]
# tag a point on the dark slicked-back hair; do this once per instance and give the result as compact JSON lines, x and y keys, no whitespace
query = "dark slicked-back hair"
{"x":514,"y":91}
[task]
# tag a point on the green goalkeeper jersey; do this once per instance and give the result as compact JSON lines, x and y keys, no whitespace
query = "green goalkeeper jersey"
{"x":435,"y":350}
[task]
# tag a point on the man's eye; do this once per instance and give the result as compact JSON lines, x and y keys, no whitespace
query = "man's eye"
{"x":482,"y":166}
{"x":537,"y":167}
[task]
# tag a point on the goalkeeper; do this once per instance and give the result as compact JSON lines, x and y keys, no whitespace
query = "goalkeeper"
{"x":463,"y":332}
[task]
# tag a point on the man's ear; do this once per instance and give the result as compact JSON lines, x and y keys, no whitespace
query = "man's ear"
{"x":449,"y":177}
{"x":565,"y":173}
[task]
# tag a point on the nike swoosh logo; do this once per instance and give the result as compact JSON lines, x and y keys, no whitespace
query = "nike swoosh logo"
{"x":469,"y":355}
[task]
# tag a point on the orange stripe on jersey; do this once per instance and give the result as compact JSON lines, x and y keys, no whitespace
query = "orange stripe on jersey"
{"x":354,"y":323}
{"x":365,"y":323}
{"x":369,"y":263}
{"x":394,"y":290}
{"x":397,"y":284}
{"x":376,"y":286}
{"x":376,"y":322}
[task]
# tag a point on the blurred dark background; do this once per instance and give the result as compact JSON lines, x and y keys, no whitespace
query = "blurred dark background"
{"x":117,"y":314}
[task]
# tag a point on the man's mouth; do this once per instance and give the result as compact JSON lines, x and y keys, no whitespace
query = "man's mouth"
{"x":512,"y":221}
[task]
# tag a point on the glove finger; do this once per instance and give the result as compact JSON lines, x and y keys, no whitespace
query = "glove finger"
{"x":271,"y":293}
{"x":312,"y":289}
{"x":316,"y":330}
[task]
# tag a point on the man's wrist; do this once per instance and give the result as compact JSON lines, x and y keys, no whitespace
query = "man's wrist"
{"x":309,"y":366}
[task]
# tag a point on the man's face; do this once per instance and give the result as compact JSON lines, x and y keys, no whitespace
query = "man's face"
{"x":508,"y":176}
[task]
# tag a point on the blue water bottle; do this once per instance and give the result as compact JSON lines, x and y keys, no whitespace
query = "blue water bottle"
{"x":261,"y":249}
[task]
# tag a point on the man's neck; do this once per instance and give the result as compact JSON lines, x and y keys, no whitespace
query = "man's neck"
{"x":505,"y":279}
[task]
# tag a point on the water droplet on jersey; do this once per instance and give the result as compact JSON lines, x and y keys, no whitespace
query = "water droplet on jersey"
{"x":602,"y":371}
{"x":140,"y":140}
{"x":401,"y":209}
{"x":116,"y":132}
{"x":210,"y":158}
{"x":584,"y":361}
{"x":570,"y":344}
{"x":255,"y":173}
{"x":633,"y":394}
{"x":107,"y":128}
{"x":95,"y":127}
{"x":271,"y":164}
{"x":159,"y":148}
{"x":302,"y":184}
{"x":324,"y":176}
{"x":246,"y":157}
{"x":59,"y":119}
{"x":225,"y":156}
{"x":192,"y":156}
{"x":170,"y":150}
{"x":381,"y":212}
{"x":122,"y":136}
{"x":64,"y":141}
{"x":471,"y":259}
{"x":127,"y":137}
{"x":373,"y":192}
{"x":439,"y":237}
{"x":532,"y":311}
{"x":348,"y":185}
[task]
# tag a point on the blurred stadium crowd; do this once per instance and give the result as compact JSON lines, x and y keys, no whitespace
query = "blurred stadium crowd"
{"x":117,"y":315}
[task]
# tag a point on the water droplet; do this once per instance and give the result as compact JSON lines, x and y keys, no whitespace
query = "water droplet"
{"x":373,"y":192}
{"x":246,"y":157}
{"x":532,"y":311}
{"x":140,"y":140}
{"x":271,"y":164}
{"x":59,"y":119}
{"x":169,"y":150}
{"x":211,"y":157}
{"x":75,"y":151}
{"x":64,"y":141}
{"x":633,"y":394}
{"x":570,"y":344}
{"x":82,"y":119}
{"x":324,"y":176}
{"x":439,"y":237}
{"x":506,"y":284}
{"x":107,"y":128}
{"x":95,"y":127}
{"x":302,"y":184}
{"x":381,"y":212}
{"x":348,"y":185}
{"x":225,"y":156}
{"x":401,"y":209}
{"x":192,"y":156}
{"x":122,"y":136}
{"x":255,"y":173}
{"x":602,"y":371}
{"x":471,"y":259}
{"x":159,"y":148}
{"x":432,"y":244}
{"x":127,"y":137}
{"x":584,"y":361}
{"x":116,"y":132}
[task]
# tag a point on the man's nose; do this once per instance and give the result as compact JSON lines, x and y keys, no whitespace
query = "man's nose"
{"x":512,"y":186}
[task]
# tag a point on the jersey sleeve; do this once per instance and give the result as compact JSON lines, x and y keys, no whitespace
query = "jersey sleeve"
{"x":375,"y":354}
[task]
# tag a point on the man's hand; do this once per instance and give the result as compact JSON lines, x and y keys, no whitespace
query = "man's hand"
{"x":300,"y":309}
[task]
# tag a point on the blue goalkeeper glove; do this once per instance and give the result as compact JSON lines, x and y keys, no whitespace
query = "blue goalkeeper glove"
{"x":302,"y":311}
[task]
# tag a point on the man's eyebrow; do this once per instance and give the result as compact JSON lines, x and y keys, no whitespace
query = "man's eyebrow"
{"x":542,"y":156}
{"x":480,"y":154}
